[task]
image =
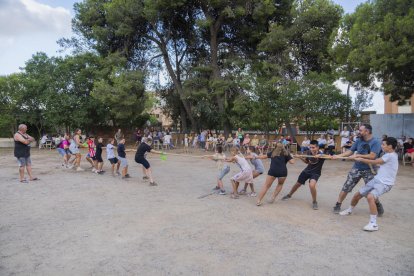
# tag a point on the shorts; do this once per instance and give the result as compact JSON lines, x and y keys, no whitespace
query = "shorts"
{"x":98,"y":158}
{"x":75,"y":150}
{"x":225,"y":170}
{"x":260,"y":171}
{"x":61,"y":151}
{"x":143,"y":161}
{"x":124,"y":162}
{"x":277,"y":174}
{"x":243,"y":176}
{"x":93,"y":158}
{"x":24,"y":161}
{"x":375,"y":187}
{"x":305,"y":176}
{"x":353,"y":178}
{"x":113,"y":160}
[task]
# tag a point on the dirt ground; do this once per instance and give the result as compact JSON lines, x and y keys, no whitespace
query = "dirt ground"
{"x":71,"y":223}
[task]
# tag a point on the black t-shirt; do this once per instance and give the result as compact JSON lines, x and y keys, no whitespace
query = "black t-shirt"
{"x":98,"y":152}
{"x":314,"y":165}
{"x":278,"y":163}
{"x":121,"y":151}
{"x":142,"y":149}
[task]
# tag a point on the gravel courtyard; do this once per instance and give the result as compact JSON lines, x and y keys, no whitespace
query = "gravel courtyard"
{"x":80,"y":223}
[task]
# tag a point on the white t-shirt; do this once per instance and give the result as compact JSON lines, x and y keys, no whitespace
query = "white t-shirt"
{"x":167,"y":139}
{"x":110,"y":151}
{"x":388,"y":171}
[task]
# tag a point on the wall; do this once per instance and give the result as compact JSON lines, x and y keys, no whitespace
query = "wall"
{"x":395,"y":125}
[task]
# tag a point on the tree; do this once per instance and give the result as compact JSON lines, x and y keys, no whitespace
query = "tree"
{"x":376,"y":43}
{"x":298,"y":50}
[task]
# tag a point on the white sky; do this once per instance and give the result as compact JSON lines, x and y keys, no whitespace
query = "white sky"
{"x":30,"y":26}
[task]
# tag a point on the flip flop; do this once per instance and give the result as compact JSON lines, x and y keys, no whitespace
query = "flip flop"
{"x":24,"y":181}
{"x":34,"y":179}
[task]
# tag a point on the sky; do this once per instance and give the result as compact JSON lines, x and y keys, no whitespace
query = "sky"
{"x":30,"y":26}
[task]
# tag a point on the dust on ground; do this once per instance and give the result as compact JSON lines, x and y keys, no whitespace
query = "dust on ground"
{"x":80,"y":223}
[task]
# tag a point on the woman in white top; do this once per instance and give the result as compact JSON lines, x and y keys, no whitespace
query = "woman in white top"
{"x":344,"y":136}
{"x":305,"y":145}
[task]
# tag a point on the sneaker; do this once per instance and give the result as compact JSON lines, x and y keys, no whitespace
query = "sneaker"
{"x":216,"y":188}
{"x":222,"y":192}
{"x":94,"y":170}
{"x":315,"y":205}
{"x":127,"y":176}
{"x":345,"y":212}
{"x":253,"y":194}
{"x":380,"y":208}
{"x":286,"y":197}
{"x":370,"y":227}
{"x":233,"y":196}
{"x":242,"y":192}
{"x":145,"y":178}
{"x":153,"y":184}
{"x":79,"y":169}
{"x":118,"y":173}
{"x":337,"y":208}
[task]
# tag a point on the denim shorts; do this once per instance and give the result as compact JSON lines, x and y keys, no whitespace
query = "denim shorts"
{"x":375,"y":187}
{"x":24,"y":161}
{"x":61,"y":151}
{"x":225,"y":170}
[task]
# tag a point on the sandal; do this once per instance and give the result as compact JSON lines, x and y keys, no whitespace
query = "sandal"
{"x":24,"y":181}
{"x":259,"y":203}
{"x":153,"y":184}
{"x":34,"y":179}
{"x":233,"y":196}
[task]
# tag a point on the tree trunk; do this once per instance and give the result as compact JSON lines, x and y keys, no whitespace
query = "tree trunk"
{"x":214,"y":28}
{"x":183,"y":116}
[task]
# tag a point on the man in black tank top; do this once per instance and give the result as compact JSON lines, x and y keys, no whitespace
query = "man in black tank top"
{"x":22,"y":152}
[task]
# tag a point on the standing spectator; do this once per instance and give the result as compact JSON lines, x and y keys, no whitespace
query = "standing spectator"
{"x":344,"y":137}
{"x":22,"y":142}
{"x":255,"y":141}
{"x":118,"y":136}
{"x":203,"y":139}
{"x":240,"y":135}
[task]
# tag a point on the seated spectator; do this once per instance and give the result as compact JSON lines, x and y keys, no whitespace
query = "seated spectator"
{"x":288,"y":140}
{"x":348,"y":143}
{"x":305,"y":145}
{"x":255,"y":141}
{"x":236,"y":142}
{"x":322,"y":141}
{"x":229,"y":142}
{"x":44,"y":139}
{"x":262,"y":144}
{"x":409,"y":149}
{"x":246,"y":141}
{"x":331,"y":146}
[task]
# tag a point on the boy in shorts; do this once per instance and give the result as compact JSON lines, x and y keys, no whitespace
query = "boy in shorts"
{"x":98,"y":156}
{"x":312,"y":173}
{"x":110,"y":155}
{"x":380,"y":184}
{"x":143,"y":148}
{"x":122,"y":158}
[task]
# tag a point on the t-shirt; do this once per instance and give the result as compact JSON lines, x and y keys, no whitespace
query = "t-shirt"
{"x":387,"y":172}
{"x":365,"y":147}
{"x":257,"y":163}
{"x":91,"y":146}
{"x":167,"y":139}
{"x":99,"y":150}
{"x":244,"y":166}
{"x":64,"y":143}
{"x":219,"y":157}
{"x":314,"y":165}
{"x":121,"y":151}
{"x":278,"y":163}
{"x":142,"y":149}
{"x":110,"y":151}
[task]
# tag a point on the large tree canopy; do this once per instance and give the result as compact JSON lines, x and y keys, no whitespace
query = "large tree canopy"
{"x":376,"y":43}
